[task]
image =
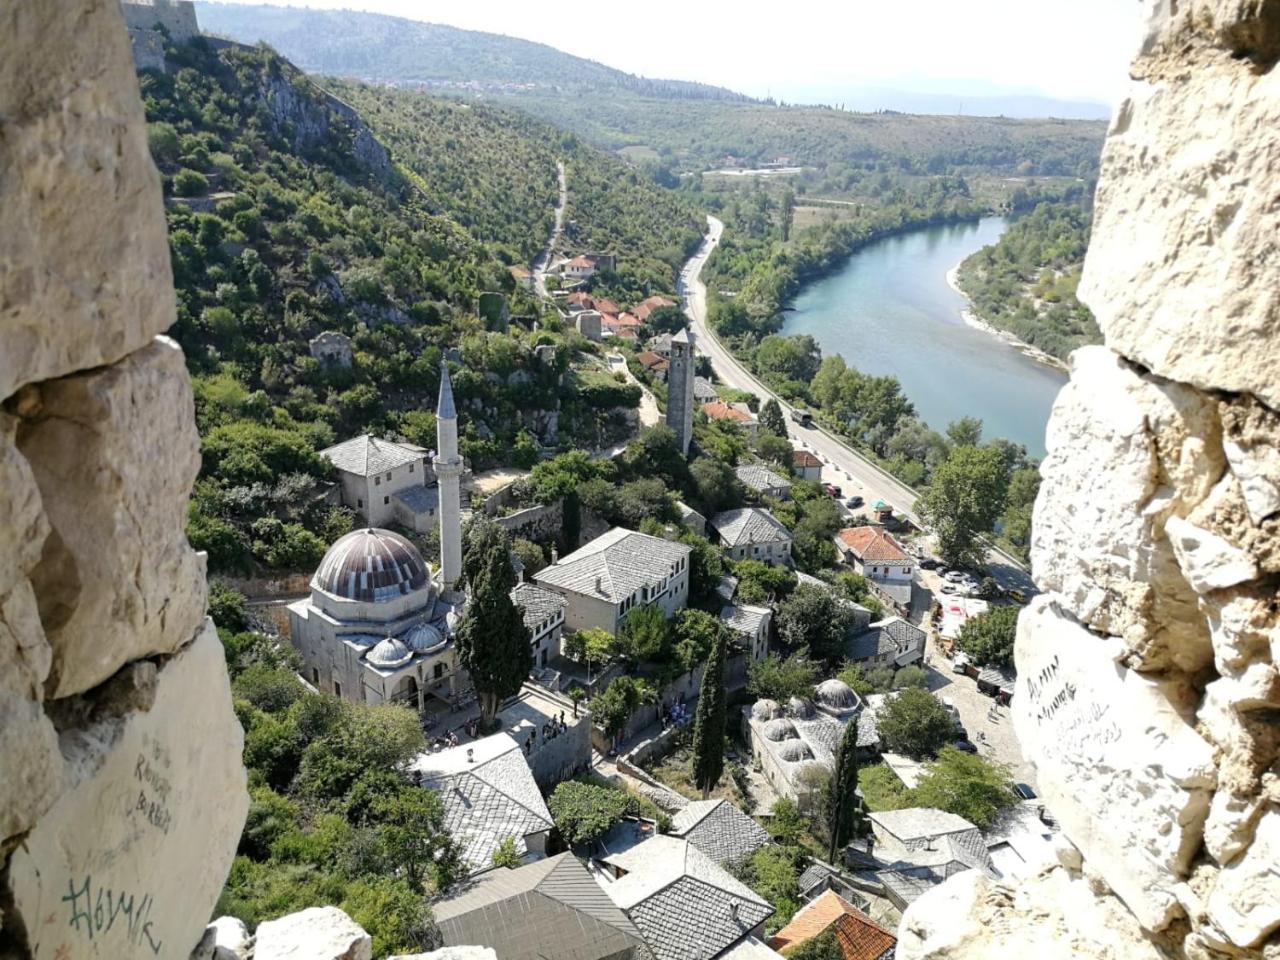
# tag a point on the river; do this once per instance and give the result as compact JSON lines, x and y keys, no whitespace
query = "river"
{"x":890,"y":310}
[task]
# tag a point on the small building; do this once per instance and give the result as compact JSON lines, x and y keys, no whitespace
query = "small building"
{"x":763,"y":482}
{"x":590,"y":324}
{"x":704,"y":391}
{"x":578,"y":268}
{"x":385,"y":482}
{"x":619,"y":570}
{"x":720,"y":830}
{"x":920,"y":847}
{"x":751,"y":624}
{"x":552,"y":908}
{"x":650,"y":304}
{"x":737,"y":414}
{"x":332,"y":349}
{"x":543,"y":613}
{"x":882,"y":514}
{"x":661,"y":345}
{"x":622,"y":324}
{"x":654,"y":364}
{"x":523,"y":277}
{"x":875,"y":554}
{"x":752,"y":533}
{"x":859,"y":937}
{"x":691,"y":518}
{"x":892,"y":642}
{"x":806,"y":466}
{"x":489,"y":794}
{"x":682,"y":902}
{"x":789,"y":740}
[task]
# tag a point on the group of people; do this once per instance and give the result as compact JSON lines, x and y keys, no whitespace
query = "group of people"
{"x":550,"y":730}
{"x":677,"y":713}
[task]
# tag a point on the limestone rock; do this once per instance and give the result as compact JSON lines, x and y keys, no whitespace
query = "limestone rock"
{"x":115,"y":452}
{"x":1116,"y":759}
{"x":32,"y":765}
{"x":1225,"y":514}
{"x":319,"y":933}
{"x":224,"y":939}
{"x":1237,"y":714}
{"x":1208,"y":561}
{"x":130,"y":859}
{"x":1229,"y":829}
{"x":1183,"y":269}
{"x":24,"y":653}
{"x":1049,"y":917}
{"x":84,"y":252}
{"x":1251,"y":439}
{"x":1245,"y":903}
{"x":1243,"y":624}
{"x":452,"y":953}
{"x":1100,"y":546}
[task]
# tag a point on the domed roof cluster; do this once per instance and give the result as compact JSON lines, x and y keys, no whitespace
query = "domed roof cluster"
{"x":765,"y":710}
{"x":800,"y":708}
{"x":371,"y":565}
{"x":836,"y":694}
{"x":389,"y":654}
{"x":779,"y":729}
{"x":794,"y":751}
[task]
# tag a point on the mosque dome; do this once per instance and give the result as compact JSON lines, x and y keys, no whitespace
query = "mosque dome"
{"x":422,"y":637}
{"x":765,"y":709}
{"x":371,"y":565}
{"x":794,"y":751}
{"x":390,"y":654}
{"x":836,"y":694}
{"x":800,"y":707}
{"x":453,"y":620}
{"x":779,"y":729}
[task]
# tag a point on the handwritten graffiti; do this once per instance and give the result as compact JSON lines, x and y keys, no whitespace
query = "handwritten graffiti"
{"x":95,"y":912}
{"x":153,"y":796}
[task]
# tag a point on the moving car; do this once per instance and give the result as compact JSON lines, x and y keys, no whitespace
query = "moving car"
{"x":802,"y":417}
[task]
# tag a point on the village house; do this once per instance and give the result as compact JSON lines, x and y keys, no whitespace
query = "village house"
{"x":858,"y":936}
{"x":691,"y":518}
{"x":763,"y":482}
{"x":332,"y":349}
{"x":919,"y":847}
{"x":751,"y":624}
{"x":892,"y":642}
{"x":385,"y":482}
{"x":661,"y":345}
{"x":621,"y":324}
{"x":523,"y":277}
{"x":725,"y":834}
{"x":590,"y":324}
{"x":650,"y":304}
{"x":551,"y":908}
{"x":488,"y":793}
{"x":875,"y":554}
{"x":543,"y":613}
{"x":704,"y":391}
{"x":577,"y":268}
{"x":738,"y":414}
{"x":619,"y":570}
{"x":654,"y":364}
{"x":806,"y":466}
{"x":752,"y":533}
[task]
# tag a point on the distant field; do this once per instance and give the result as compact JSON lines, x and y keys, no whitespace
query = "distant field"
{"x":808,"y":216}
{"x":639,"y":153}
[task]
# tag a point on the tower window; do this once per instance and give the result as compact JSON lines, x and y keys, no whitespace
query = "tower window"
{"x":360,"y":503}
{"x":385,"y":501}
{"x":337,"y":688}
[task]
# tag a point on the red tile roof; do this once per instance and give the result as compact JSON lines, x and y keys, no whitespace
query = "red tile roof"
{"x":860,"y":937}
{"x":581,"y":300}
{"x":607,"y":306}
{"x":651,"y":359}
{"x":581,"y":262}
{"x":872,"y":543}
{"x":803,"y":458}
{"x":719,"y":410}
{"x":621,"y":321}
{"x":650,"y":304}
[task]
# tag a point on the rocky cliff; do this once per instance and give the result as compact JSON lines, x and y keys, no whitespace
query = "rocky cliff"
{"x":123,"y":793}
{"x":1148,"y":690}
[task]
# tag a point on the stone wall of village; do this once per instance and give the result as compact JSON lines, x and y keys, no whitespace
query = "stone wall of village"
{"x":123,"y":792}
{"x":1148,"y":693}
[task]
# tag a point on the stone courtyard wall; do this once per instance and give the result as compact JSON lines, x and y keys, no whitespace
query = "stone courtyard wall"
{"x":123,"y":792}
{"x":1148,"y":691}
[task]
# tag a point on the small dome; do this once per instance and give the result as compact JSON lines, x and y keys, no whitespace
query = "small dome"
{"x":836,"y":693}
{"x":794,"y":751}
{"x":800,"y":707}
{"x":452,"y":621}
{"x":389,"y":654}
{"x":765,"y":710}
{"x":371,"y":566}
{"x":422,"y":637}
{"x":779,"y":729}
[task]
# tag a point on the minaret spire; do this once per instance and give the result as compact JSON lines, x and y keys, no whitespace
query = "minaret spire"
{"x":448,"y":466}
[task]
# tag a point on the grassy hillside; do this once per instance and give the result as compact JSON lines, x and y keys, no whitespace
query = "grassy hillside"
{"x":371,"y":46}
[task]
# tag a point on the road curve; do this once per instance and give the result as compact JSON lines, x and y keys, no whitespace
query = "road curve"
{"x":845,"y":466}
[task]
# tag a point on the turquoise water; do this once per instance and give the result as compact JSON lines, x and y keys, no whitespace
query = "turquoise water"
{"x":889,"y":310}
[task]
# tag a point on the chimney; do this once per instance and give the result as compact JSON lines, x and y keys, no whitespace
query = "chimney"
{"x":733,"y":911}
{"x":599,"y":585}
{"x":471,"y":755}
{"x":555,"y":555}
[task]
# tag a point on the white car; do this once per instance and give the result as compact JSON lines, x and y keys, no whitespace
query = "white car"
{"x":955,"y":576}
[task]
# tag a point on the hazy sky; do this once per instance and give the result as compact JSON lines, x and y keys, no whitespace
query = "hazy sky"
{"x":1077,"y":50}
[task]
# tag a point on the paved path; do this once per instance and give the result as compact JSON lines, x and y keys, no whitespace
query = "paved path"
{"x":845,"y":467}
{"x":649,"y":413}
{"x":544,"y":258}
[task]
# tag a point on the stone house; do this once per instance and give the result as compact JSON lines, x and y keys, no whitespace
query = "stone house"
{"x":751,"y":625}
{"x":762,"y":481}
{"x":892,"y":642}
{"x":590,"y":324}
{"x":874,"y":553}
{"x":752,"y":533}
{"x":806,"y":466}
{"x":789,"y":740}
{"x":386,"y":482}
{"x":332,"y":349}
{"x":739,"y":414}
{"x":543,"y":613}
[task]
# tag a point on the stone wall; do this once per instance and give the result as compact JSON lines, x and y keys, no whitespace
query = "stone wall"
{"x":1148,"y":692}
{"x":123,"y":792}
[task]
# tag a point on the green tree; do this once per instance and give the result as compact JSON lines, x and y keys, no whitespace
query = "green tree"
{"x":645,"y":634}
{"x":506,"y":855}
{"x":614,"y":706}
{"x":988,"y":638}
{"x":696,"y":633}
{"x":775,"y":449}
{"x":787,"y":824}
{"x":911,"y":676}
{"x":811,"y":617}
{"x":883,"y":790}
{"x":771,"y":418}
{"x":967,"y":785}
{"x":774,"y":678}
{"x":716,"y":486}
{"x":584,"y":812}
{"x":493,"y":641}
{"x":592,"y":646}
{"x":964,"y":498}
{"x":774,"y":873}
{"x":530,"y":555}
{"x":825,"y":946}
{"x":915,"y":723}
{"x":762,"y":582}
{"x":413,"y":839}
{"x":965,"y":432}
{"x":842,"y":800}
{"x":709,"y":722}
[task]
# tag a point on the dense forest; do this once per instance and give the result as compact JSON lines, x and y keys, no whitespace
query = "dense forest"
{"x":1025,"y":283}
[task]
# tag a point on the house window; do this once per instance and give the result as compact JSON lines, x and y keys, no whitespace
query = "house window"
{"x":906,"y":571}
{"x":385,"y":501}
{"x":315,"y":676}
{"x":360,"y":502}
{"x":377,"y":481}
{"x":388,"y":474}
{"x":439,"y":670}
{"x":337,"y":688}
{"x":411,"y":468}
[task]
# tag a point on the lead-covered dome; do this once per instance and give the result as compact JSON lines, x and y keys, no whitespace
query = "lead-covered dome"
{"x":793,"y":751}
{"x":779,"y":729}
{"x":836,"y":694}
{"x":423,"y":637}
{"x":765,"y":709}
{"x":390,"y":654}
{"x":371,"y":565}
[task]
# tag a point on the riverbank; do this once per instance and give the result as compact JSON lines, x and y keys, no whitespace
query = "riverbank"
{"x":973,"y":320}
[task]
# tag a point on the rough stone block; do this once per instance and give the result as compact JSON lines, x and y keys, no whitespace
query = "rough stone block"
{"x":1116,"y":759}
{"x":1100,"y":546}
{"x":32,"y":765}
{"x":1242,"y":624}
{"x":1245,"y":903}
{"x":114,"y":452}
{"x":319,"y":933}
{"x":224,"y":939}
{"x":1251,"y":439}
{"x":84,"y":254}
{"x":129,"y":861}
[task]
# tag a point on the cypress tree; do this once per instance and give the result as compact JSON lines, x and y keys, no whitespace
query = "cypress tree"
{"x":493,"y":641}
{"x":842,"y":796}
{"x":771,"y":418}
{"x":709,"y":722}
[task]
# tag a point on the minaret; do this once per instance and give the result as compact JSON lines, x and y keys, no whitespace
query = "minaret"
{"x":680,"y":389}
{"x":448,"y":473}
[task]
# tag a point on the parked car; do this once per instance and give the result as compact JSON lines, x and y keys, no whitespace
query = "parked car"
{"x":954,"y":576}
{"x":964,"y":746}
{"x":959,"y":663}
{"x":1022,"y":791}
{"x":855,"y":502}
{"x":948,"y":587}
{"x":929,"y":563}
{"x":832,"y":490}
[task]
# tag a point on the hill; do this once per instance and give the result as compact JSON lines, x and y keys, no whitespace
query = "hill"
{"x":385,"y":49}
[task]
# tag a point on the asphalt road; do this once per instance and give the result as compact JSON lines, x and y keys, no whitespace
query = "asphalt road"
{"x":846,"y":468}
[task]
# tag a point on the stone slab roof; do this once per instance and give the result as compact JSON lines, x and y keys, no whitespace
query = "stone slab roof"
{"x":419,"y":499}
{"x":489,"y":794}
{"x":759,"y":478}
{"x":366,"y":456}
{"x":536,"y":604}
{"x":744,"y":618}
{"x":893,"y":636}
{"x":552,"y":908}
{"x":622,"y":561}
{"x":720,"y":830}
{"x":749,"y":525}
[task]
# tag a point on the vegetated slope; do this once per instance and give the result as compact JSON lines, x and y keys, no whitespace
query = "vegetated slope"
{"x":372,"y":46}
{"x":290,"y":219}
{"x":1026,"y":282}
